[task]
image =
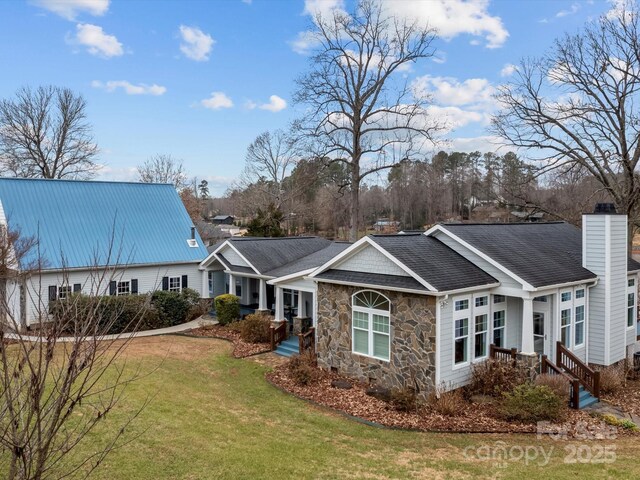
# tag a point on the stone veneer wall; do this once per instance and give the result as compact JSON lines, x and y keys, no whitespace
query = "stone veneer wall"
{"x":413,"y":339}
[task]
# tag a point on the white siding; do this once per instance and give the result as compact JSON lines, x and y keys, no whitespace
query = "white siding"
{"x":235,"y":259}
{"x":149,"y":279}
{"x":370,"y":260}
{"x":605,"y":244}
{"x":504,"y":279}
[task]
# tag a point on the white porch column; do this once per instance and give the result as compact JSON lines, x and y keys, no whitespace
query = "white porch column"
{"x":279,"y":304}
{"x":205,"y":284}
{"x":232,"y":284}
{"x":302,"y":304}
{"x":262,"y":300}
{"x":528,"y":347}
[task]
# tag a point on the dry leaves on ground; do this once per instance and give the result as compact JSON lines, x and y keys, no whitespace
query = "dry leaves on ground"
{"x":241,"y":348}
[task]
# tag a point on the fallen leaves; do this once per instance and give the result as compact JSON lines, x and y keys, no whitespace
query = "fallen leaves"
{"x":241,"y":348}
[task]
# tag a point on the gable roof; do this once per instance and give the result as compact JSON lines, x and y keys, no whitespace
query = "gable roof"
{"x":433,"y":261}
{"x":541,"y":254}
{"x":77,"y":220}
{"x":310,"y":261}
{"x":269,"y":254}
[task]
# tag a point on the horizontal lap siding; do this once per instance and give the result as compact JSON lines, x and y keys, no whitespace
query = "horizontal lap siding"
{"x":370,"y":260}
{"x":594,"y":230}
{"x":618,"y":285}
{"x":149,"y":280}
{"x":235,"y":259}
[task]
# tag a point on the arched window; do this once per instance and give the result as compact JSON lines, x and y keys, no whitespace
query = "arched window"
{"x":371,"y":324}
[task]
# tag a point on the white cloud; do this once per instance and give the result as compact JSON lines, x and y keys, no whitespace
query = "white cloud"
{"x":450,"y":91}
{"x":454,"y":17}
{"x":621,"y":10}
{"x":196,"y":44}
{"x":508,"y":70}
{"x":120,"y":174}
{"x":322,"y":7}
{"x":129,"y":88}
{"x":96,"y":41}
{"x":570,"y":11}
{"x":275,"y":104}
{"x":483,"y":143}
{"x":70,"y":9}
{"x":216,"y":101}
{"x":454,"y":117}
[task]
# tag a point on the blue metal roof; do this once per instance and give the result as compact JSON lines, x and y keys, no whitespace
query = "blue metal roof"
{"x":77,"y":220}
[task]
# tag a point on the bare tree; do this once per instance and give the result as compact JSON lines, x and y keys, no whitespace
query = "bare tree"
{"x":163,"y":168}
{"x":270,"y":159}
{"x":360,"y":110}
{"x":577,"y":108}
{"x":54,"y":391}
{"x":44,"y":133}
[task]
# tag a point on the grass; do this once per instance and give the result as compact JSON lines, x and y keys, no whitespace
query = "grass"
{"x":213,"y":416}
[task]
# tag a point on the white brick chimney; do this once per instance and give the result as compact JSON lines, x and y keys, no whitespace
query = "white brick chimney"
{"x":604,"y":252}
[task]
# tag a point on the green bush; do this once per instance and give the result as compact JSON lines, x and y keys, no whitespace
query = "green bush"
{"x":172,"y":307}
{"x":111,"y":314}
{"x":255,"y":328}
{"x":227,"y":308}
{"x":529,"y":403}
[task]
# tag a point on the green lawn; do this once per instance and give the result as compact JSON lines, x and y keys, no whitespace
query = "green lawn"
{"x":216,"y":417}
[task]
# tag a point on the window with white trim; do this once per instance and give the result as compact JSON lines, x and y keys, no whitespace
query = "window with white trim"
{"x":175,"y":283}
{"x":565,"y":297}
{"x":579,"y":326}
{"x":461,"y":341}
{"x":565,"y":327}
{"x":481,"y":301}
{"x":123,"y":288}
{"x":631,"y":309}
{"x":499,"y":327}
{"x":371,"y":325}
{"x":64,"y":291}
{"x":481,"y":336}
{"x":579,"y":293}
{"x":499,"y":299}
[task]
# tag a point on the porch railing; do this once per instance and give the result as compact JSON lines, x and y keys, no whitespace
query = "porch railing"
{"x":567,"y":361}
{"x":549,"y":368}
{"x":278,"y":334}
{"x":307,"y":340}
{"x":503,"y":354}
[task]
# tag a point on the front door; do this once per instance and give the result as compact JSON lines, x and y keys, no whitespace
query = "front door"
{"x":541,"y":340}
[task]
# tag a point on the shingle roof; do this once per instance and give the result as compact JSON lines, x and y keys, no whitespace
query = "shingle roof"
{"x":313,"y":260}
{"x":540,"y":253}
{"x":390,"y":281}
{"x":434,"y":262}
{"x":77,"y":219}
{"x":267,"y":254}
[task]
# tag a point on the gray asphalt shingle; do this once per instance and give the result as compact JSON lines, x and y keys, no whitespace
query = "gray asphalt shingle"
{"x":364,"y":278}
{"x":313,"y":260}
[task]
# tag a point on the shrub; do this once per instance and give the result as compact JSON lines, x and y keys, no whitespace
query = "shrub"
{"x":530,"y":403}
{"x":118,"y":314}
{"x":557,"y":383}
{"x":404,"y":399}
{"x":449,"y":403}
{"x":494,"y":377}
{"x":612,"y":378}
{"x":303,"y":369}
{"x":173,"y":307}
{"x":255,"y":328}
{"x":227,"y":308}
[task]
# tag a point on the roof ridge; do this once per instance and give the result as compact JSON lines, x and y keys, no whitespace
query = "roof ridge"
{"x":77,"y":180}
{"x":552,"y":222}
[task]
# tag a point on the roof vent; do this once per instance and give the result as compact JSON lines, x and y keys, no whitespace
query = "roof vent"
{"x":605,"y":208}
{"x":193,"y":243}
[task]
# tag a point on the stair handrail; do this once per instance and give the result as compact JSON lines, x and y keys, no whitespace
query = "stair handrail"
{"x":277,"y":334}
{"x":569,"y":362}
{"x":549,"y":368}
{"x":307,"y":340}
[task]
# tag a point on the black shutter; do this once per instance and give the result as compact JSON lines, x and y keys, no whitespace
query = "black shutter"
{"x":53,"y":292}
{"x":184,"y":281}
{"x":112,"y":288}
{"x":165,"y":283}
{"x":134,"y":286}
{"x":77,"y":287}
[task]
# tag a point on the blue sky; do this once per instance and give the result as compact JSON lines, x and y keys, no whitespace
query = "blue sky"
{"x":201,"y":79}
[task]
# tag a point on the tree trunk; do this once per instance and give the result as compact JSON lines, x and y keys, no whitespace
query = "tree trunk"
{"x":355,"y":198}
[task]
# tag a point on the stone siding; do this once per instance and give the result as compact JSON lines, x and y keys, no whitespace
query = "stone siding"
{"x":413,"y":339}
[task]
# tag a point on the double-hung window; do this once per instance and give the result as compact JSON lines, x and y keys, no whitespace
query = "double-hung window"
{"x":579,"y":323}
{"x":64,"y":291}
{"x":123,"y":288}
{"x":631,"y":303}
{"x":565,"y":327}
{"x":461,"y":315}
{"x":371,"y":325}
{"x":480,"y":326}
{"x":175,"y":284}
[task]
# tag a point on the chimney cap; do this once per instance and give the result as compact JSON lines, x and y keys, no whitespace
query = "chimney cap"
{"x":605,"y":208}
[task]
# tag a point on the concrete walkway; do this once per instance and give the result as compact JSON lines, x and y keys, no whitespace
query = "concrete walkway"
{"x":198,"y":322}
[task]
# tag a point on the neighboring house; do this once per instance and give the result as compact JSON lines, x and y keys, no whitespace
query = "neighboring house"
{"x":138,"y":235}
{"x":223,"y":220}
{"x":386,"y":225}
{"x":421,"y":310}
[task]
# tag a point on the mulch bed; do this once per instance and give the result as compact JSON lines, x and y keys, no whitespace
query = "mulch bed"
{"x":628,"y":398}
{"x":241,"y":348}
{"x":474,"y":418}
